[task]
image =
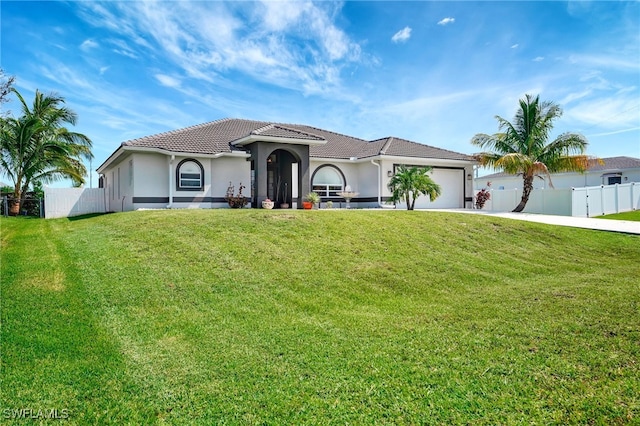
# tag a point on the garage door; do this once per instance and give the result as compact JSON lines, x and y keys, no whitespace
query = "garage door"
{"x":452,"y":191}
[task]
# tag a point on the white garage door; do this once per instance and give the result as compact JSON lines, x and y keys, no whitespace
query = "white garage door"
{"x":452,"y":191}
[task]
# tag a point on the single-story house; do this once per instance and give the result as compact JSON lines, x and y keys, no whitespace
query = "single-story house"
{"x":613,"y":170}
{"x":193,"y":167}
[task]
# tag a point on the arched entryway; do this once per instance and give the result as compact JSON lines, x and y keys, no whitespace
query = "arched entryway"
{"x":279,"y":172}
{"x":281,"y":167}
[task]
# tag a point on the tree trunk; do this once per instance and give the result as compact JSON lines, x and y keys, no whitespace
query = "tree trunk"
{"x":526,"y":192}
{"x":14,"y":207}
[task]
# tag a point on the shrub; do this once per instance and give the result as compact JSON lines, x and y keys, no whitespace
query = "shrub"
{"x":482,"y":197}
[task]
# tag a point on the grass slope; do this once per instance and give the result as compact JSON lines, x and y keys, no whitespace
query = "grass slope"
{"x":316,"y":317}
{"x":632,"y":215}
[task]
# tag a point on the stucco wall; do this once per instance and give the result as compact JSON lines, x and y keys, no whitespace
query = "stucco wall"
{"x":145,"y":180}
{"x":119,"y":185}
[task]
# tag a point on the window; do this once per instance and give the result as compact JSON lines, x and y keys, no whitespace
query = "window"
{"x":327,"y":181}
{"x":189,"y":176}
{"x":614,"y":179}
{"x":611,"y":178}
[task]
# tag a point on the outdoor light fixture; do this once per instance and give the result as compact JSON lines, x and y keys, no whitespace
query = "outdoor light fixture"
{"x":469,"y":176}
{"x":389,"y":173}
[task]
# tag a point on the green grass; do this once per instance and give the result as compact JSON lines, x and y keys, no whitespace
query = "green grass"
{"x":632,"y":215}
{"x":319,"y":317}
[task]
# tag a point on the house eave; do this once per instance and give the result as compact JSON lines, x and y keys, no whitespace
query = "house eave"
{"x":125,"y":148}
{"x":397,"y":159}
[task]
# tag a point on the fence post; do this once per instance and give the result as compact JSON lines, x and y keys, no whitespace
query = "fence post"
{"x":5,"y":205}
{"x":587,"y":201}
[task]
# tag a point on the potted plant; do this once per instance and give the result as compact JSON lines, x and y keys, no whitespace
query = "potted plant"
{"x":312,"y":199}
{"x":267,"y":204}
{"x":237,"y":201}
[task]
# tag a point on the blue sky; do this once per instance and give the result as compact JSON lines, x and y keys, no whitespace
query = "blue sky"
{"x":432,"y":72}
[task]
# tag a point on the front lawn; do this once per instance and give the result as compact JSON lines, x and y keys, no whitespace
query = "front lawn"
{"x":318,"y":317}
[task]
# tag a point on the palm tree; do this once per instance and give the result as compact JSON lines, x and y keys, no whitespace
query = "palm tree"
{"x":36,"y":147}
{"x":523,"y":147}
{"x":408,"y":183}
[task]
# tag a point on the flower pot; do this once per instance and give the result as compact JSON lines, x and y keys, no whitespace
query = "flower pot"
{"x":267,"y":205}
{"x":284,"y":205}
{"x":307,"y":205}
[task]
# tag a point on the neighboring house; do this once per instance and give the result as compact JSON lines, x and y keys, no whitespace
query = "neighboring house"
{"x":614,"y":170}
{"x":194,"y":166}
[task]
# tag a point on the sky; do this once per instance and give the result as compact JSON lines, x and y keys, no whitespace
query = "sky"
{"x":432,"y":72}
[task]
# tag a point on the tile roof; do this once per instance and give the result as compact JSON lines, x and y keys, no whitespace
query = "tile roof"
{"x":404,"y":148}
{"x":616,"y":163}
{"x":216,"y":137}
{"x":610,"y":164}
{"x":278,"y":130}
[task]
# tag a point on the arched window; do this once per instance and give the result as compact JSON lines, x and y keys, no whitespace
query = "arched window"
{"x":327,"y":181}
{"x":189,"y":175}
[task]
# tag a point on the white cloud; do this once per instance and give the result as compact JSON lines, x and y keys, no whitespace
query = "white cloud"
{"x":168,"y":81}
{"x":88,"y":44}
{"x":446,"y":21}
{"x":606,"y":112}
{"x":103,"y":70}
{"x":515,"y":46}
{"x":538,"y":59}
{"x":295,"y":45}
{"x":619,"y":62}
{"x":402,"y":35}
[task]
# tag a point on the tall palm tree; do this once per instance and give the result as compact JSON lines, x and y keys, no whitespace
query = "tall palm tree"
{"x":523,"y":147}
{"x":408,"y":183}
{"x":36,"y":147}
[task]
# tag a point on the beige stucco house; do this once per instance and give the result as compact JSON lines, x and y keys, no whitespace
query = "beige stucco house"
{"x":193,"y":167}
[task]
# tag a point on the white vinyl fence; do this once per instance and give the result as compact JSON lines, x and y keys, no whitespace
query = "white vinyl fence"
{"x":67,"y":202}
{"x":579,"y":202}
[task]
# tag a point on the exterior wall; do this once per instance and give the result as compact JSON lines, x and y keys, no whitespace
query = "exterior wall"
{"x":218,"y":173}
{"x":368,"y":177}
{"x":119,"y":185}
{"x":350,"y":171}
{"x":225,"y":170}
{"x":148,"y":180}
{"x":363,"y":177}
{"x":145,"y":180}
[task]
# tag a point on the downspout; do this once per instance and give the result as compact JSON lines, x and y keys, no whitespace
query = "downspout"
{"x":171,"y":159}
{"x":380,"y":204}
